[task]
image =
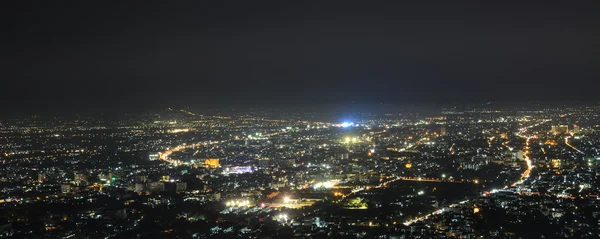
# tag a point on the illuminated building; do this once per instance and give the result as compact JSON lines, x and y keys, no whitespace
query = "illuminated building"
{"x":79,"y":178}
{"x":519,"y":155}
{"x":139,"y":187}
{"x":556,"y":163}
{"x":180,"y":187}
{"x":140,"y":178}
{"x":238,"y":170}
{"x":65,"y":188}
{"x":575,"y":129}
{"x":157,"y":186}
{"x":264,"y":162}
{"x":560,"y":129}
{"x":105,"y":177}
{"x":343,"y":156}
{"x":443,"y":131}
{"x":212,"y":163}
{"x":42,"y":177}
{"x":153,"y":156}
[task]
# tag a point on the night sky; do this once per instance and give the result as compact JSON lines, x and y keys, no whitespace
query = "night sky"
{"x":128,"y":54}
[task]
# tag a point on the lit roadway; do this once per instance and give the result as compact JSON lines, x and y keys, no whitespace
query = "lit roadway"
{"x":528,"y":161}
{"x":571,"y":146}
{"x":386,"y":183}
{"x":164,"y":156}
{"x":525,"y":174}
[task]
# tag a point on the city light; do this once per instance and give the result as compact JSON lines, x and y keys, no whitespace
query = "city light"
{"x":282,"y":217}
{"x":326,"y":184}
{"x":346,"y":124}
{"x":237,"y":203}
{"x":300,"y":120}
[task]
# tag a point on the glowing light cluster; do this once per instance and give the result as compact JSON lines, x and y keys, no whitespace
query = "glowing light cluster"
{"x":346,"y":124}
{"x":238,"y":203}
{"x":282,"y":217}
{"x":174,"y":131}
{"x":348,"y":140}
{"x":328,"y":184}
{"x":212,"y":163}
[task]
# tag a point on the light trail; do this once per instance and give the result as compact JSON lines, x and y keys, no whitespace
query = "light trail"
{"x":571,"y":146}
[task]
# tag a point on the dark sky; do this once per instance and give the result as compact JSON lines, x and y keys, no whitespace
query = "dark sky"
{"x":95,"y":54}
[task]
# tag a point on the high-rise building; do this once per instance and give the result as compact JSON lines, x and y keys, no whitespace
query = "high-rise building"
{"x":443,"y":131}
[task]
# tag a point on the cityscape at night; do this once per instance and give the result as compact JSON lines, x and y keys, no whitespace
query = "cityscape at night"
{"x":465,"y":171}
{"x":300,"y":119}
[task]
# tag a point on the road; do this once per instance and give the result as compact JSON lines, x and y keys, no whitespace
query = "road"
{"x":524,"y":176}
{"x":571,"y":146}
{"x":164,"y":156}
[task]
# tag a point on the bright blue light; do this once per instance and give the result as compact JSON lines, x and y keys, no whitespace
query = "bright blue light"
{"x":347,"y":124}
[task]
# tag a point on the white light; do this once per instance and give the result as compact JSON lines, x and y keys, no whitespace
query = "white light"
{"x":346,"y":124}
{"x":420,"y":193}
{"x":286,"y":199}
{"x":318,"y":185}
{"x":328,"y":184}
